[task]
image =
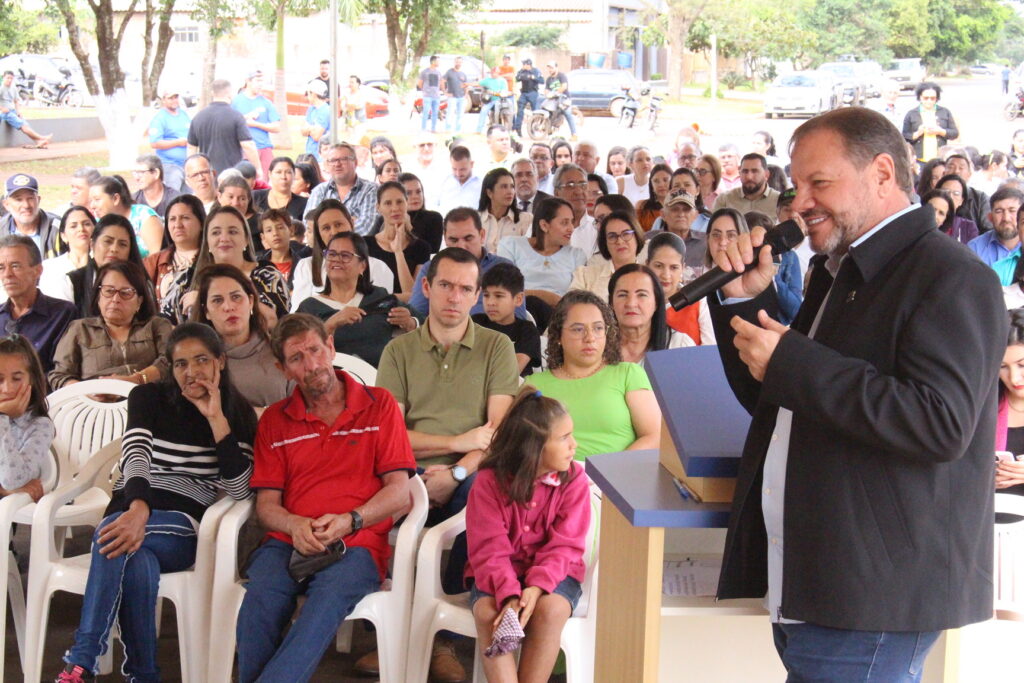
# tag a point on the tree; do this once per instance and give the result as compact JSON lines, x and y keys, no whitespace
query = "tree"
{"x":158,"y":13}
{"x":412,"y":24}
{"x":909,"y":32}
{"x":680,"y":17}
{"x":965,"y":30}
{"x":546,"y":37}
{"x":25,"y":31}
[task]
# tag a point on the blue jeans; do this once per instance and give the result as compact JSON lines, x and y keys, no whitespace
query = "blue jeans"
{"x":331,"y":595}
{"x":484,"y":111}
{"x":431,"y":105}
{"x":524,"y":98}
{"x":458,"y":102}
{"x":571,"y":120}
{"x":125,"y":587}
{"x":820,"y":654}
{"x":452,"y":580}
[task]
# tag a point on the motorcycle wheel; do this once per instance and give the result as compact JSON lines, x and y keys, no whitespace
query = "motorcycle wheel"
{"x":505,"y":118}
{"x":615,"y":108}
{"x":653,"y":118}
{"x":72,"y":98}
{"x":538,"y":127}
{"x":1011,"y":111}
{"x":626,"y":120}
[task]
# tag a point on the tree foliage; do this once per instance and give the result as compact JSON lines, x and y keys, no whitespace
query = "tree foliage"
{"x":412,"y":25}
{"x":25,"y":31}
{"x":546,"y":37}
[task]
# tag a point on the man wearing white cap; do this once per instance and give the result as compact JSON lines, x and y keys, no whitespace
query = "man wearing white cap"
{"x":318,"y":116}
{"x":168,"y":136}
{"x":261,"y":116}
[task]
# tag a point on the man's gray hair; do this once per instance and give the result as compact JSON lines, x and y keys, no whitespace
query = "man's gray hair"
{"x":562,"y":170}
{"x":153,"y":163}
{"x":87,"y":173}
{"x":11,"y":241}
{"x":522,"y":160}
{"x":865,"y":134}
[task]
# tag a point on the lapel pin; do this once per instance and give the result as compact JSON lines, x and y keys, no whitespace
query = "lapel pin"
{"x":851,"y":296}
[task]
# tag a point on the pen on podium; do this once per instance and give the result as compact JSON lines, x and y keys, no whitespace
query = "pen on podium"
{"x":683,"y":491}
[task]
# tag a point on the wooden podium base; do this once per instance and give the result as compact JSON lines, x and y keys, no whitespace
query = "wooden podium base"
{"x":705,"y":489}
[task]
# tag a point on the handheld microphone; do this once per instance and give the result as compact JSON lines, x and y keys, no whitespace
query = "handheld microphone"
{"x":780,"y":239}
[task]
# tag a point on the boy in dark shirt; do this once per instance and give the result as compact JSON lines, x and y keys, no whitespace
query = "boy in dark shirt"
{"x":503,"y":287}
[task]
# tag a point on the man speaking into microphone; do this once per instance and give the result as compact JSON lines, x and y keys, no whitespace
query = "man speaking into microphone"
{"x":864,"y":506}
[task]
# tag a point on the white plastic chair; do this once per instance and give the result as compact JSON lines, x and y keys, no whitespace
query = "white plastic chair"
{"x":10,"y":577}
{"x":435,"y":611}
{"x":388,"y":610}
{"x":50,"y":572}
{"x":357,"y":367}
{"x":1009,"y":559}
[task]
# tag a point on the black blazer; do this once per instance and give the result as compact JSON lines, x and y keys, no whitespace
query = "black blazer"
{"x":889,"y":480}
{"x":912,"y":121}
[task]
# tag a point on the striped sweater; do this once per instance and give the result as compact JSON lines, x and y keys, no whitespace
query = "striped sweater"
{"x":169,"y":459}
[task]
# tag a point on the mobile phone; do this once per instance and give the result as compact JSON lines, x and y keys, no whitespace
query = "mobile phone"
{"x":1005,"y":456}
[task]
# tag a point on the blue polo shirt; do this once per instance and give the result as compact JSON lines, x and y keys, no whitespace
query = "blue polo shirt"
{"x":244,"y":105}
{"x":320,"y":116}
{"x":167,"y":126}
{"x":44,"y":324}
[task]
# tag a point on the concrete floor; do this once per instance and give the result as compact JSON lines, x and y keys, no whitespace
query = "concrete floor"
{"x":64,"y":610}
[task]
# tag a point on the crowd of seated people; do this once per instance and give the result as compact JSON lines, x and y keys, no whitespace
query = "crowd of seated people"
{"x":228,"y":303}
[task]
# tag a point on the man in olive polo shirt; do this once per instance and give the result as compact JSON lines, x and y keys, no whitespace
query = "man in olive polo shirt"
{"x":453,"y":380}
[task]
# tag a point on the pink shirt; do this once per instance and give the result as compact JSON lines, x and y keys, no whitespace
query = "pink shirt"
{"x":538,"y":543}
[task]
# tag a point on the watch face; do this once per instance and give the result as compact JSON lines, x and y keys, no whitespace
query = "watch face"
{"x":459,"y":472}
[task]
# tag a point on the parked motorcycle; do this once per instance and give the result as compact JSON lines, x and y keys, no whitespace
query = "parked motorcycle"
{"x":639,"y":102}
{"x":503,"y":112}
{"x":546,"y":120}
{"x":62,"y":93}
{"x":1015,"y":106}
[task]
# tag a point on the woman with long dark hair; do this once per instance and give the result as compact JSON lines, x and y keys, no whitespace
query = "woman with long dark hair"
{"x":499,"y":214}
{"x":110,"y":194}
{"x":395,"y":244}
{"x":187,"y":439}
{"x":112,"y":240}
{"x":658,"y":184}
{"x":963,"y":229}
{"x":638,"y":301}
{"x":76,"y":228}
{"x":170,"y":269}
{"x":280,"y":195}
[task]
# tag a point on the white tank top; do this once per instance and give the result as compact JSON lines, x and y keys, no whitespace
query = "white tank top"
{"x":632,"y":191}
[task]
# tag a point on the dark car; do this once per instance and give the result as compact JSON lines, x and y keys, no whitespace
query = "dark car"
{"x":601,"y":91}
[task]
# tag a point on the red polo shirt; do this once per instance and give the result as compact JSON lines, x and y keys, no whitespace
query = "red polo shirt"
{"x":323,"y":468}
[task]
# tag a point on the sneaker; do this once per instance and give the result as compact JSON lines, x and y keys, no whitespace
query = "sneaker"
{"x":444,"y":664}
{"x":73,"y":673}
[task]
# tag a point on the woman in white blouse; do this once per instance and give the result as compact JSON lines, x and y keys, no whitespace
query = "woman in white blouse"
{"x":498,"y":211}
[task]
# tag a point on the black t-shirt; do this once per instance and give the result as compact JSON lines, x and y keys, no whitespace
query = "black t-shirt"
{"x":524,"y":335}
{"x":161,"y":209}
{"x":555,"y":82}
{"x":296,"y":205}
{"x":455,"y":81}
{"x":417,"y":253}
{"x":218,"y":131}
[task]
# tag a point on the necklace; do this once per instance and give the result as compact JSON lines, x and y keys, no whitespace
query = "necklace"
{"x":590,"y":373}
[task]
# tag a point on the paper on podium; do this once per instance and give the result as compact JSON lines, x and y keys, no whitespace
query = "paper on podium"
{"x":695,"y":576}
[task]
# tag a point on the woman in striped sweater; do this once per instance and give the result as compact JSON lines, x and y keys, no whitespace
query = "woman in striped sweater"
{"x":186,"y":440}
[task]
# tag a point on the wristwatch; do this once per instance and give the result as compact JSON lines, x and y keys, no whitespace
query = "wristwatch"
{"x":459,"y":473}
{"x":357,"y":521}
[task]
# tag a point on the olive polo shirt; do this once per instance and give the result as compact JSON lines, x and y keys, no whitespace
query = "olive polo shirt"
{"x":446,"y":392}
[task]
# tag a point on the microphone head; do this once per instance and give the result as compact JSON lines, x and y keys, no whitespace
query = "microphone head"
{"x":784,"y":237}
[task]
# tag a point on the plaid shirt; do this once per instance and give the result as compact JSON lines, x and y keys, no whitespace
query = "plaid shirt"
{"x":361,"y":202}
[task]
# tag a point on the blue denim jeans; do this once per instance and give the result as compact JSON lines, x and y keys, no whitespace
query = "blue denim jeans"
{"x":125,"y":587}
{"x":571,"y":121}
{"x":458,"y":103}
{"x":481,"y":120}
{"x":431,"y":106}
{"x":524,"y":98}
{"x":820,"y":654}
{"x":270,"y":596}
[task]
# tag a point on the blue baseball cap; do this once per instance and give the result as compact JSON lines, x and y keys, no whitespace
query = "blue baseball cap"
{"x":21,"y":181}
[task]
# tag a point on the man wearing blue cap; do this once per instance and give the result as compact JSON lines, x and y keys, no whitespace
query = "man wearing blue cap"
{"x":24,"y":217}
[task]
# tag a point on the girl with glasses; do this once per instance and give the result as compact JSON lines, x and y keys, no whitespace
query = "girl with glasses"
{"x":963,"y":229}
{"x":122,"y":339}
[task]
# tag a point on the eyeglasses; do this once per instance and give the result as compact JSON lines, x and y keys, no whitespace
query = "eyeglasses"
{"x":956,"y":193}
{"x":688,"y":157}
{"x":126,"y":293}
{"x":701,"y":171}
{"x":338,"y":160}
{"x":343,"y":256}
{"x":614,"y":237}
{"x":579,"y":330}
{"x":578,"y":185}
{"x":198,"y":174}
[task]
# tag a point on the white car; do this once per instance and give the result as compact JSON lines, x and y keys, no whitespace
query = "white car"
{"x":801,"y":92}
{"x":907,"y":71}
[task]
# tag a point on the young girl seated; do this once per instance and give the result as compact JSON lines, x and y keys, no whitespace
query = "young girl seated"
{"x":25,"y":429}
{"x":526,"y":524}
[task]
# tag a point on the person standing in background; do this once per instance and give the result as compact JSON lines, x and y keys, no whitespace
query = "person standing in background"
{"x":168,"y":136}
{"x":455,"y":81}
{"x":429,"y":83}
{"x":260,"y":115}
{"x":221,"y":133}
{"x":318,"y":117}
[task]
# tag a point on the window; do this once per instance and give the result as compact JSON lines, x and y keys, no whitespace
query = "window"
{"x":186,"y":34}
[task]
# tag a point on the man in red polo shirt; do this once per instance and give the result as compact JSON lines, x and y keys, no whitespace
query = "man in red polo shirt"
{"x":332,"y":462}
